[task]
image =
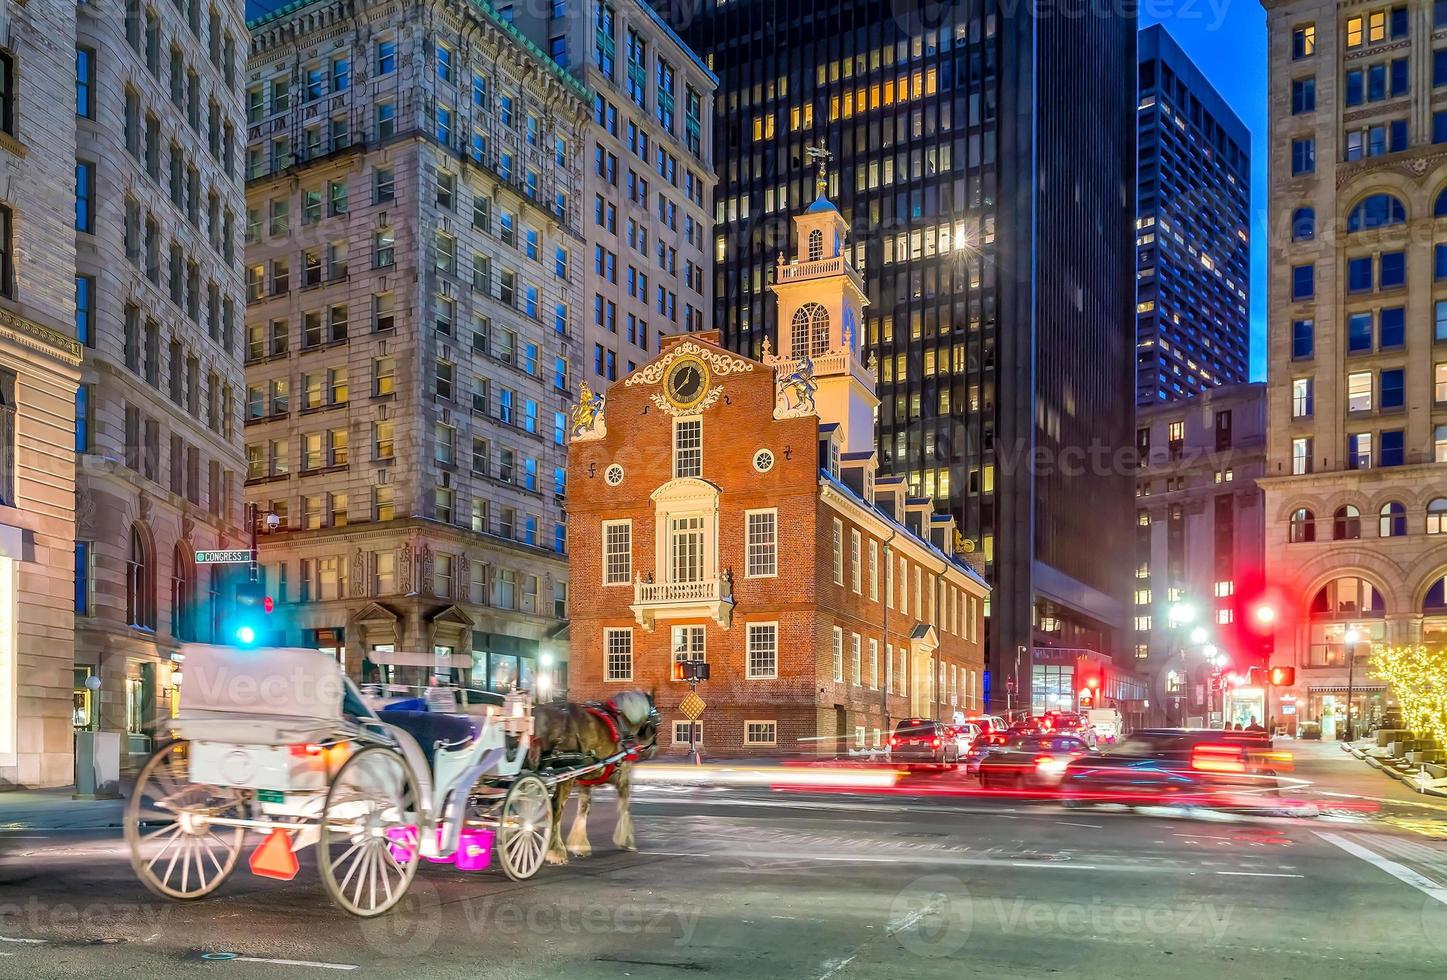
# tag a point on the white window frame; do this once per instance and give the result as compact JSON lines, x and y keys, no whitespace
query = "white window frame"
{"x":679,"y":423}
{"x":773,"y":726}
{"x":856,"y":653}
{"x":690,"y":654}
{"x":873,"y":570}
{"x":772,"y":544}
{"x":606,"y":553}
{"x":749,"y":672}
{"x":838,"y":551}
{"x":873,"y":664}
{"x":698,"y":727}
{"x":856,"y":561}
{"x":838,"y":649}
{"x":609,"y":633}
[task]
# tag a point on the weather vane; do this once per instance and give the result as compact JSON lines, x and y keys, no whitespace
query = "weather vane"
{"x":820,"y":156}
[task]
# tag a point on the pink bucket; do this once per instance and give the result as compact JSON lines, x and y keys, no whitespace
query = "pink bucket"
{"x":474,"y":847}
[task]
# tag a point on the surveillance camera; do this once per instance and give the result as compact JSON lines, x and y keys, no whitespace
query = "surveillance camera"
{"x":273,"y":522}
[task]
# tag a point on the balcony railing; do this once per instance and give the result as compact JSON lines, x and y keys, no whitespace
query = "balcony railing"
{"x":674,"y":600}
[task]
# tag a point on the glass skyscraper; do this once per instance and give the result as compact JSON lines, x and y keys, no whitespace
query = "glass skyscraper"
{"x":1193,"y":242}
{"x":985,"y":163}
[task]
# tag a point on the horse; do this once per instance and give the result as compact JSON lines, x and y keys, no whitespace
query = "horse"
{"x":626,"y":722}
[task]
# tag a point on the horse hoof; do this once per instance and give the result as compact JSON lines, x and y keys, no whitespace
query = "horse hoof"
{"x":580,"y":852}
{"x":557,"y":857}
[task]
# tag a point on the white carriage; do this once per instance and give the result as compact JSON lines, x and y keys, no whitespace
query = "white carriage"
{"x":280,"y":741}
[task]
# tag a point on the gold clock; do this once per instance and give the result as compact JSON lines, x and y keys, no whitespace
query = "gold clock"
{"x":686,"y":383}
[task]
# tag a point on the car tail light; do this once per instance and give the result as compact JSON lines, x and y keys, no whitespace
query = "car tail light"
{"x":1218,"y":758}
{"x":1048,"y":763}
{"x":893,"y":741}
{"x":303,"y":749}
{"x":935,"y":742}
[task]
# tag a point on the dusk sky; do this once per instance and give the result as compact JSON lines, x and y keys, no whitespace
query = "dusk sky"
{"x":1227,"y":40}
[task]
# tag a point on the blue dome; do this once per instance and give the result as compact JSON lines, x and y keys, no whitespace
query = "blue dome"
{"x":821,"y":204}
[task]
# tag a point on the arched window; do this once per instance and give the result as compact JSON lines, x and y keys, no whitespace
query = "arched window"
{"x":1439,"y":208}
{"x":1346,"y":523}
{"x":1392,"y":520}
{"x":809,"y":333}
{"x":1303,"y":224}
{"x":183,"y":595}
{"x":816,"y":245}
{"x":1347,"y":597}
{"x":1434,"y":603}
{"x":1437,"y":516}
{"x":1376,"y":211}
{"x":1303,"y":525}
{"x":140,"y":583}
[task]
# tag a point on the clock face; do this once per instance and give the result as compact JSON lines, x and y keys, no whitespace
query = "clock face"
{"x":686,"y":383}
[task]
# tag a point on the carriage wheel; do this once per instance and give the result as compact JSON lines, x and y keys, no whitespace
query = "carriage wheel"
{"x":365,"y":869}
{"x":523,"y":827}
{"x":176,"y":850}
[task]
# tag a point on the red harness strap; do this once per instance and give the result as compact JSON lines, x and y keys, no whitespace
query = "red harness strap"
{"x":612,"y":724}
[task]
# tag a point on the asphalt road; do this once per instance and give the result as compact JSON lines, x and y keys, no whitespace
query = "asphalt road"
{"x":756,"y":885}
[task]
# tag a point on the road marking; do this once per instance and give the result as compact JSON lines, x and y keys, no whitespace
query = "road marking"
{"x":1092,"y":826}
{"x":933,"y":860}
{"x":311,"y":963}
{"x":1054,"y":864}
{"x":1402,"y":873}
{"x":1258,"y":874}
{"x":28,"y":942}
{"x":837,"y":967}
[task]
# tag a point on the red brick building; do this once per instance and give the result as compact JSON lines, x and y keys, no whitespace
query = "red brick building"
{"x":731,"y":510}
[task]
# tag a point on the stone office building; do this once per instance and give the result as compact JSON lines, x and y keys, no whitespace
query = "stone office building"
{"x":414,"y":267}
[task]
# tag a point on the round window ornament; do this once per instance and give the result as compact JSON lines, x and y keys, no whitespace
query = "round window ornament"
{"x":763,"y":460}
{"x":613,"y":475}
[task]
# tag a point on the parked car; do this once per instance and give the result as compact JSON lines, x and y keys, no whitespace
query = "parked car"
{"x":1070,"y":722}
{"x":1169,"y":764}
{"x":924,"y":740}
{"x":1031,"y":761}
{"x":965,"y":736}
{"x":989,"y":723}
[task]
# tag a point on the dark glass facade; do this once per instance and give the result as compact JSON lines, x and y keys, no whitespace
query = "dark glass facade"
{"x":1193,"y":248}
{"x":985,"y":164}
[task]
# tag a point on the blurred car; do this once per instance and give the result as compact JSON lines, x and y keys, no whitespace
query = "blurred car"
{"x":1174,"y":764}
{"x":1069,"y":722}
{"x":965,"y":736}
{"x":924,"y":740}
{"x":988,"y":723}
{"x":1031,"y":761}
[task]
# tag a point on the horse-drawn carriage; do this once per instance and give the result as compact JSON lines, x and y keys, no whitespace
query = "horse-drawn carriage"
{"x":280,"y":741}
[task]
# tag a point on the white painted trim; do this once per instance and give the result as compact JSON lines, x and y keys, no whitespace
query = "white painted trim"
{"x":603,"y":550}
{"x":747,"y":514}
{"x":760,"y":721}
{"x":748,"y":634}
{"x":632,"y":654}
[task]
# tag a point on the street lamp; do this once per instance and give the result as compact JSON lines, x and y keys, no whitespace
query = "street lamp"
{"x":1351,"y":639}
{"x":1182,"y":613}
{"x":1199,"y":635}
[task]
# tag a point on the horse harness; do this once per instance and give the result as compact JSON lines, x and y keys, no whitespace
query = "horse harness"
{"x":629,"y":744}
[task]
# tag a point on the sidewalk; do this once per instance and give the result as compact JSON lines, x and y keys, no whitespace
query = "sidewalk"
{"x":1349,"y":768}
{"x":53,"y":809}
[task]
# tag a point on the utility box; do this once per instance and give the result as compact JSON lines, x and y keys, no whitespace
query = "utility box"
{"x":97,"y":765}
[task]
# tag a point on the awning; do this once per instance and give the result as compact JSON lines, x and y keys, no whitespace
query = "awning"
{"x":401,"y":658}
{"x":1342,"y":688}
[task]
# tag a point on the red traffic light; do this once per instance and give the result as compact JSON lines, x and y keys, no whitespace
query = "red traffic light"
{"x":1092,"y":683}
{"x":268,"y":604}
{"x":1283,"y":676}
{"x":678,"y":670}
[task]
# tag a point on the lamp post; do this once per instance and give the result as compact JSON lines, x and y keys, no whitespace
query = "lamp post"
{"x":1351,"y":639}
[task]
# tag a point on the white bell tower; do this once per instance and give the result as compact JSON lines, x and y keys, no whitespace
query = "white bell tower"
{"x":820,"y":301}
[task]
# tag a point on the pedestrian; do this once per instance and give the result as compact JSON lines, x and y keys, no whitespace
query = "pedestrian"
{"x":1255,"y":726}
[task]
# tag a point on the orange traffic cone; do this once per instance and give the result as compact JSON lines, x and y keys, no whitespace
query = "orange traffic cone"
{"x":273,"y":858}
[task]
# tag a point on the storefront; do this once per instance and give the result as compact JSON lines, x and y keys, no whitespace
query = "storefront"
{"x":501,"y":663}
{"x":1244,"y":706}
{"x":1328,"y":707}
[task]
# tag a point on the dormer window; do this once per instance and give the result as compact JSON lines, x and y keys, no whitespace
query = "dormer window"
{"x":687,"y":448}
{"x":816,"y":245}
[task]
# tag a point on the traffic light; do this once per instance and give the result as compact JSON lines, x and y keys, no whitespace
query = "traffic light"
{"x":1283,"y":676}
{"x":253,"y":606}
{"x":690,"y":670}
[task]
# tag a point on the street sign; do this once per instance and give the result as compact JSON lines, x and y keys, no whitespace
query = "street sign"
{"x":234,"y":556}
{"x":692,"y":705}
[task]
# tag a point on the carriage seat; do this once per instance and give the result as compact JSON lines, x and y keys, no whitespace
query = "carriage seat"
{"x":431,"y":727}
